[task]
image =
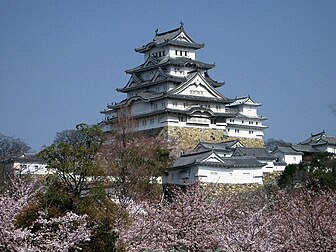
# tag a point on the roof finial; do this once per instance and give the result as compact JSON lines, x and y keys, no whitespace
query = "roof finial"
{"x":156,"y":31}
{"x":181,"y":23}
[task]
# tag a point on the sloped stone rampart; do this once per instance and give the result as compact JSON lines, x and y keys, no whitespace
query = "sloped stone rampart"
{"x":231,"y":189}
{"x":188,"y":138}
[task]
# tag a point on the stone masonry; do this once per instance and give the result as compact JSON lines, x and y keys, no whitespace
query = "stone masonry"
{"x":188,"y":138}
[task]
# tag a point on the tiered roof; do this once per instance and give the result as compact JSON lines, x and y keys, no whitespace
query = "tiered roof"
{"x":176,"y":37}
{"x":207,"y":157}
{"x":319,"y":139}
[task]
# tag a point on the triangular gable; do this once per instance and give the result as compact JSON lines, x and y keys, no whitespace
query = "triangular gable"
{"x":133,"y":81}
{"x":159,"y":75}
{"x":197,"y":86}
{"x":182,"y":36}
{"x":150,"y":62}
{"x":213,"y":158}
{"x":236,"y":145}
{"x":249,"y":101}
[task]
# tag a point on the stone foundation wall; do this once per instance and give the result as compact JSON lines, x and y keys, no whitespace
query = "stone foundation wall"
{"x":271,"y":178}
{"x":188,"y":138}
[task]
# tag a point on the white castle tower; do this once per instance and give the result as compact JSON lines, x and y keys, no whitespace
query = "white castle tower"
{"x":172,"y":92}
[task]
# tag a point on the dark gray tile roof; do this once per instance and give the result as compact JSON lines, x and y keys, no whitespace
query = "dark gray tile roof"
{"x":182,"y":61}
{"x":243,"y":162}
{"x":192,"y":158}
{"x":314,"y":138}
{"x":304,"y":148}
{"x":327,"y":140}
{"x":167,"y":38}
{"x":244,"y":100}
{"x":287,"y":150}
{"x":198,"y":158}
{"x":222,"y":146}
{"x":259,"y":153}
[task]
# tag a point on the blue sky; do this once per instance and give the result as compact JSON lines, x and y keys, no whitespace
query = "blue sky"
{"x":61,"y":61}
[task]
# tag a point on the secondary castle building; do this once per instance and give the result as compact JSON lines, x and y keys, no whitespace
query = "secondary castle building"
{"x":172,"y":94}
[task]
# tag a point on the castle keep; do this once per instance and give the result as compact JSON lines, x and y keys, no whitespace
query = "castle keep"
{"x":172,"y":94}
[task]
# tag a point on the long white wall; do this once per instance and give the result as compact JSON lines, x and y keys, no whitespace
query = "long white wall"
{"x":215,"y":175}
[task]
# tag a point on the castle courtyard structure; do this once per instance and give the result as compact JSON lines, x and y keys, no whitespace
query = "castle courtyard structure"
{"x":172,"y":94}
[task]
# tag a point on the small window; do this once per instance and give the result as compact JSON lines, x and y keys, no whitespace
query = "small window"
{"x":185,"y":53}
{"x":181,"y":53}
{"x":175,"y":52}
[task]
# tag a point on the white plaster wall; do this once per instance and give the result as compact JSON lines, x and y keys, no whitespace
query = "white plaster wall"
{"x":325,"y":148}
{"x":257,"y":134}
{"x":268,"y":167}
{"x":139,"y":108}
{"x":32,"y":168}
{"x":197,"y":89}
{"x":293,"y":159}
{"x":249,"y":110}
{"x":229,"y":176}
{"x":190,"y":53}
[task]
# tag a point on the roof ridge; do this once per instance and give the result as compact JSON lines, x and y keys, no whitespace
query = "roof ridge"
{"x":196,"y":153}
{"x":170,"y":31}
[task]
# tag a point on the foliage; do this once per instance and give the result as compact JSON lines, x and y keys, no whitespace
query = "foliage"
{"x":135,"y":162}
{"x":10,"y":147}
{"x":320,"y":172}
{"x":43,"y":234}
{"x":77,"y":186}
{"x":72,"y":156}
{"x":104,"y":215}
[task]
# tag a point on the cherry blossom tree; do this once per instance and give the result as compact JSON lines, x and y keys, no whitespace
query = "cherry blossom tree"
{"x":53,"y":234}
{"x":305,"y":220}
{"x":192,"y":222}
{"x":198,"y":220}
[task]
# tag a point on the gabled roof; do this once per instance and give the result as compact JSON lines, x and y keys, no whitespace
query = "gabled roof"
{"x":305,"y":148}
{"x":320,"y":139}
{"x":222,"y":146}
{"x":198,"y":79}
{"x":240,"y":115}
{"x":176,"y":36}
{"x":202,"y":158}
{"x":287,"y":150}
{"x":259,"y":153}
{"x":181,"y":61}
{"x":244,"y":101}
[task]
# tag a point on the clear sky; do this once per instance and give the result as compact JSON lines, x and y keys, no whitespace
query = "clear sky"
{"x":61,"y":61}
